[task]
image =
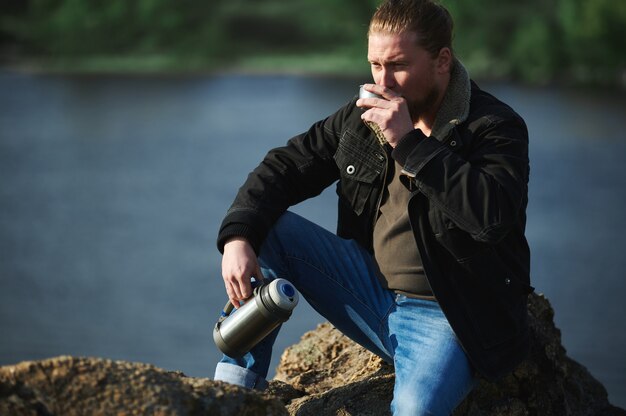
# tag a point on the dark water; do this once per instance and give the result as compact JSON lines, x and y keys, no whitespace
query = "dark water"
{"x":112,"y":190}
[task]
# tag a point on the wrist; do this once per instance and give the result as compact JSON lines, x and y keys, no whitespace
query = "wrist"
{"x":235,"y":239}
{"x":406,"y":145}
{"x":237,"y":231}
{"x":237,"y":243}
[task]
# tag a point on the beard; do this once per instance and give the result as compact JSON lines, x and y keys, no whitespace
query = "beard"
{"x":424,"y":105}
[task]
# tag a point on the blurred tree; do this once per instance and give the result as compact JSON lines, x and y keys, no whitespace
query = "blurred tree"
{"x":593,"y":38}
{"x":9,"y":11}
{"x":517,"y":40}
{"x":538,"y":41}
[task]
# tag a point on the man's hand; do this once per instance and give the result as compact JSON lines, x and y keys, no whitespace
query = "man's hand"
{"x":391,"y":114}
{"x":239,"y":264}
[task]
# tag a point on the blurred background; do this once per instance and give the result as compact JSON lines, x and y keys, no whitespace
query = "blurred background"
{"x":538,"y":41}
{"x":127,"y":127}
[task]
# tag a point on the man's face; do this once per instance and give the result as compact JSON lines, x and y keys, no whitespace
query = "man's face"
{"x":400,"y":64}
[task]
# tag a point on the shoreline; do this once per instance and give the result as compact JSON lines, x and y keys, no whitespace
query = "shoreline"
{"x":332,"y":64}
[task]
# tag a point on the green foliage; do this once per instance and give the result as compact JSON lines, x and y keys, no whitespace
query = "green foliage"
{"x":594,"y":34}
{"x":77,"y":27}
{"x":542,"y":40}
{"x":535,"y":41}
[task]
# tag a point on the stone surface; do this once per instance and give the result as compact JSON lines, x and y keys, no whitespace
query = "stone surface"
{"x":91,"y":386}
{"x":337,"y":377}
{"x":324,"y":374}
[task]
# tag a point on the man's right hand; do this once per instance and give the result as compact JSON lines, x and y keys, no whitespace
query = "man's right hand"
{"x":239,"y":264}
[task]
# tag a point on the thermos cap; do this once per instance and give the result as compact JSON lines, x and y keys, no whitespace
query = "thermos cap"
{"x":283,"y":294}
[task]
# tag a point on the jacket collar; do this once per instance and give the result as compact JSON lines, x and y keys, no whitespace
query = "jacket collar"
{"x":455,"y":105}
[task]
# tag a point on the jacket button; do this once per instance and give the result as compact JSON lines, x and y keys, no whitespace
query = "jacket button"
{"x":507,"y":281}
{"x":350,"y":169}
{"x":453,"y":143}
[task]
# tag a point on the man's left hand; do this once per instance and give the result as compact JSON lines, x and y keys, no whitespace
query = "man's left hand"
{"x":390,"y":113}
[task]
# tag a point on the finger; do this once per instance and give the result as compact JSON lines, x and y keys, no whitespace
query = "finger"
{"x":373,"y":116}
{"x":232,"y":280}
{"x":370,"y":102}
{"x":362,"y":102}
{"x":245,"y":289}
{"x":232,"y":290}
{"x":258,"y":273}
{"x":374,"y":88}
{"x":232,"y":297}
{"x":236,"y":293}
{"x":387,"y":93}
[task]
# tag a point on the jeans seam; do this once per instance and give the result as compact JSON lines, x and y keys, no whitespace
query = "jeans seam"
{"x":384,"y":330}
{"x":328,"y":276}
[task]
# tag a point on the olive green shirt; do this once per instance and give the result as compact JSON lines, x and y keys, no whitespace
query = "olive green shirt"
{"x":395,"y":250}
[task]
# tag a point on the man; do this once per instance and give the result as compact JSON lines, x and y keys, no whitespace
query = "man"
{"x":430,"y":267}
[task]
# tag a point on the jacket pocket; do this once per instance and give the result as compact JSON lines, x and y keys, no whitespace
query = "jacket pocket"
{"x":459,"y":243}
{"x":360,"y":166}
{"x":498,"y":305}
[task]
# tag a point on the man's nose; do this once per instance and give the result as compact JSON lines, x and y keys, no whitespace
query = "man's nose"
{"x":387,"y":78}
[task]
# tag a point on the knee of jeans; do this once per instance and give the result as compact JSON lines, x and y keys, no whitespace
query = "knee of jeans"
{"x":287,"y":221}
{"x":283,"y":224}
{"x":286,"y":231}
{"x":271,"y":252}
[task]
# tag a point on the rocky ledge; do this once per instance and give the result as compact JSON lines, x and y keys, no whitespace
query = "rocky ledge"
{"x":324,"y":374}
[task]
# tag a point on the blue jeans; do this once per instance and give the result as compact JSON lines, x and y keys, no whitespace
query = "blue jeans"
{"x":338,"y":279}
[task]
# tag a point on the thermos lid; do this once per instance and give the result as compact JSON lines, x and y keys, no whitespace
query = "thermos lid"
{"x":283,"y":294}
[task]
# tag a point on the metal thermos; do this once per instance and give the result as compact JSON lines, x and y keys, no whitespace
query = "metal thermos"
{"x":236,"y":333}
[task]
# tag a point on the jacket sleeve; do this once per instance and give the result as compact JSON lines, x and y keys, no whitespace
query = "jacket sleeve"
{"x":483,"y":191}
{"x":301,"y":169}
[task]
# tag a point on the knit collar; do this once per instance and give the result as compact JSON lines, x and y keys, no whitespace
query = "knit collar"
{"x":455,"y":105}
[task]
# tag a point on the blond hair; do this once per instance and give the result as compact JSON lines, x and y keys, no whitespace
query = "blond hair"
{"x":430,"y":21}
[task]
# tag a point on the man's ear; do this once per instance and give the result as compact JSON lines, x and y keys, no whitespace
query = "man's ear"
{"x":444,"y":60}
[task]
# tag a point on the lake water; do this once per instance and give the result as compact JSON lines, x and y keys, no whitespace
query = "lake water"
{"x":112,"y":189}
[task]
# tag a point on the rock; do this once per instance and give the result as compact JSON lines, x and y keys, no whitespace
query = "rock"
{"x":324,"y":374}
{"x":337,"y":377}
{"x":91,"y":386}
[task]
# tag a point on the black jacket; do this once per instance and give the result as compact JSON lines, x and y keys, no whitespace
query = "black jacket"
{"x":467,"y":209}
